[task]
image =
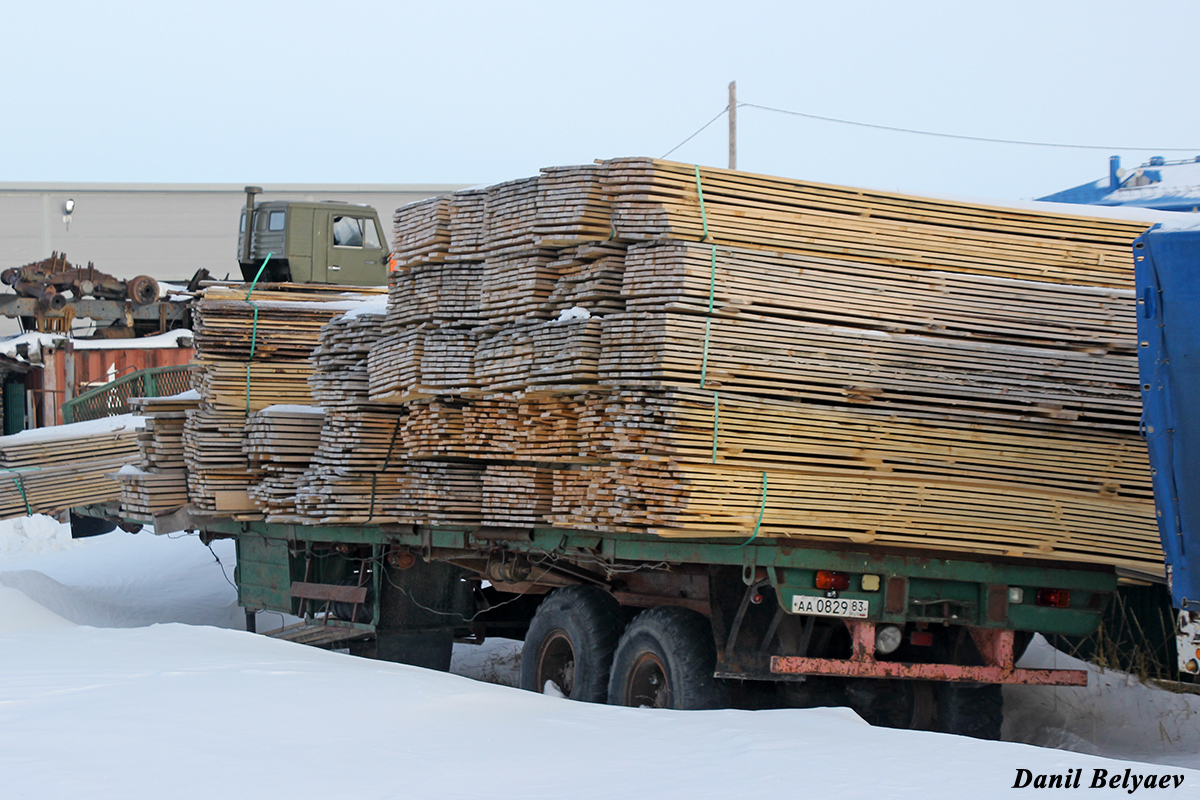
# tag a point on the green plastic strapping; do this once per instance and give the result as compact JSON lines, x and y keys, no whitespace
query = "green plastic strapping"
{"x":253,"y":283}
{"x":253,"y":330}
{"x":762,"y":509}
{"x":703,"y":213}
{"x":712,"y":287}
{"x":258,"y":275}
{"x":20,"y":484}
{"x":716,"y":423}
{"x":712,"y":280}
{"x":21,"y":488}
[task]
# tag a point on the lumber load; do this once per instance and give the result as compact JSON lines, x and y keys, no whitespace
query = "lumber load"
{"x":745,"y":466}
{"x":49,"y":470}
{"x":447,"y":293}
{"x":440,"y":493}
{"x":340,"y":374}
{"x":573,"y":206}
{"x":279,"y":443}
{"x":270,"y":321}
{"x":654,"y":348}
{"x":254,"y":353}
{"x":219,"y":477}
{"x":510,"y":211}
{"x":654,"y":199}
{"x":685,"y":277}
{"x":517,"y":494}
{"x":750,"y":432}
{"x":160,"y":441}
{"x":157,"y":483}
{"x":696,"y":500}
{"x":355,"y":472}
{"x":826,"y":363}
{"x":423,"y":231}
{"x":900,"y":370}
{"x":145,"y":495}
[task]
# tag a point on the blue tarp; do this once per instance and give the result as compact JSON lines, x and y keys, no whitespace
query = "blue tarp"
{"x":1167,"y":272}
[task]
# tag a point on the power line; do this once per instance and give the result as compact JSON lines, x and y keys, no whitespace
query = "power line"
{"x":952,"y":135}
{"x":697,"y":133}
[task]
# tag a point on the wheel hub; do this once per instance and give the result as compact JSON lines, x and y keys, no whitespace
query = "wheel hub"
{"x":648,"y":685}
{"x":556,"y":663}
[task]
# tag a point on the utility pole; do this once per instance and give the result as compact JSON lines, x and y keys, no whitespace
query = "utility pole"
{"x":733,"y":124}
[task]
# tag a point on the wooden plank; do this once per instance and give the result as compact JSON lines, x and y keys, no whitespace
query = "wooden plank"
{"x":330,"y":592}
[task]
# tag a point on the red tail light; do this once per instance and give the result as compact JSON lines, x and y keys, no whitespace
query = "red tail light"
{"x":832,"y":581}
{"x":1055,"y":598}
{"x":921,"y":638}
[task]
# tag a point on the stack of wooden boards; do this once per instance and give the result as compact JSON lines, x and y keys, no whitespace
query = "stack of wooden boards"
{"x":650,"y":347}
{"x":158,"y":484}
{"x":253,"y":348}
{"x":48,"y":470}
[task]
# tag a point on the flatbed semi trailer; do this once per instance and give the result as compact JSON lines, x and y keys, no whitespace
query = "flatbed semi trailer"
{"x":1029,"y":516}
{"x":909,"y":639}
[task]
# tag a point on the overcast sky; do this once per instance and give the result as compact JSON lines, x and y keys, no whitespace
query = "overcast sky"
{"x":479,"y":92}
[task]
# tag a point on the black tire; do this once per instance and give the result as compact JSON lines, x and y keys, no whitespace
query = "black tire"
{"x":571,"y":641}
{"x":431,"y":649}
{"x":82,"y":527}
{"x":904,"y":704}
{"x":361,"y":613}
{"x":970,"y":710}
{"x":666,"y":659}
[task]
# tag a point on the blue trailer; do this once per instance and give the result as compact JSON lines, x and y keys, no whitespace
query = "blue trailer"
{"x":1167,"y":274}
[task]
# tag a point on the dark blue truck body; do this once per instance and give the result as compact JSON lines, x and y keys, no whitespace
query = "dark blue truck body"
{"x":1167,"y":274}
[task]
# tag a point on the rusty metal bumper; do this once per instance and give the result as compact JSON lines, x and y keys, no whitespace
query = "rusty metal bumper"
{"x":996,"y":647}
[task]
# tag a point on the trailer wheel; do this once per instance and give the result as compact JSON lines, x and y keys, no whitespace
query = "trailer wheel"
{"x":976,"y":711}
{"x":571,"y":642}
{"x":666,"y":659}
{"x":82,"y":526}
{"x":904,"y":704}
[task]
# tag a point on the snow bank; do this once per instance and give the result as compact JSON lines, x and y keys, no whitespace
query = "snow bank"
{"x":29,"y":535}
{"x":151,"y":711}
{"x":1116,"y":715}
{"x":184,"y":712}
{"x":19,"y":614}
{"x":495,"y":661}
{"x":120,"y":580}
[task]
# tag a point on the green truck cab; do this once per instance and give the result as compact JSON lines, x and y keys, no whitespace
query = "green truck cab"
{"x":327,"y":242}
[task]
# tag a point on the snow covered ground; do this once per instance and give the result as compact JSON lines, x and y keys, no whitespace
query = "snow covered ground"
{"x":104,"y":694}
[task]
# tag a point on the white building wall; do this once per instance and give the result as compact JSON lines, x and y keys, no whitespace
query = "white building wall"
{"x":166,"y":231}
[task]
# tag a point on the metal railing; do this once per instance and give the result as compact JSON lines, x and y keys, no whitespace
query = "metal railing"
{"x":112,"y":398}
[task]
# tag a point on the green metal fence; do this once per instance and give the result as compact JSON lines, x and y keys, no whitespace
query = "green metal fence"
{"x":112,"y":398}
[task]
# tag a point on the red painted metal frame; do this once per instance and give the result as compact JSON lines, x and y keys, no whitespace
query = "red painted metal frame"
{"x":996,"y":647}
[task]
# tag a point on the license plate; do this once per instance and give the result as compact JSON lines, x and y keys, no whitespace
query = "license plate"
{"x":829,"y":607}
